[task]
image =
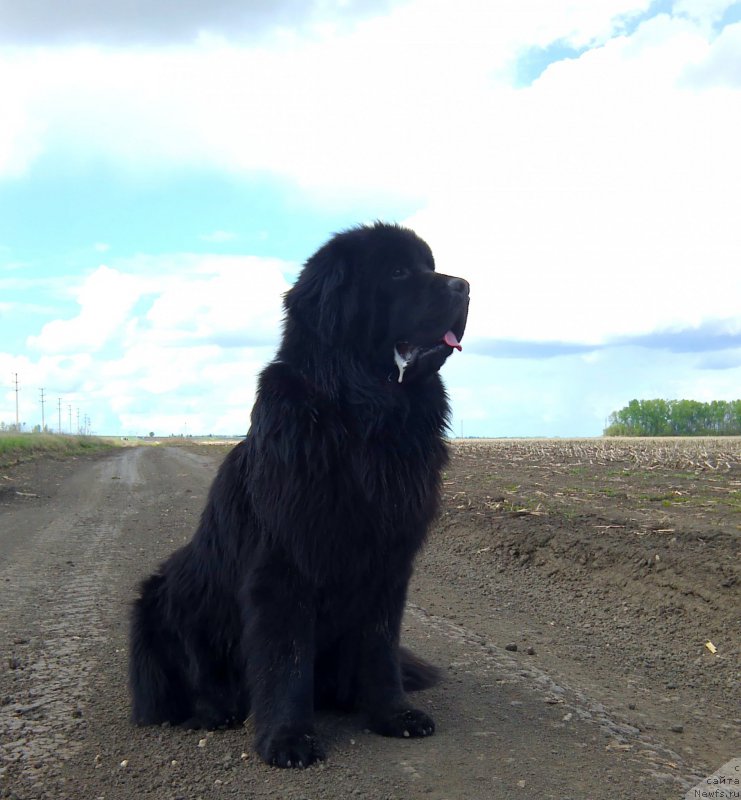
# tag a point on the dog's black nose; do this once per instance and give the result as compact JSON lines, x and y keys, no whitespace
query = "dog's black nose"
{"x":459,"y":286}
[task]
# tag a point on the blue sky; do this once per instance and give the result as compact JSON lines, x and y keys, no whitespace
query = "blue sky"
{"x":164,"y":174}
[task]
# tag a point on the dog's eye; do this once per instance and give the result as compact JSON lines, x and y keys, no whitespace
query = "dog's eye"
{"x":400,"y":272}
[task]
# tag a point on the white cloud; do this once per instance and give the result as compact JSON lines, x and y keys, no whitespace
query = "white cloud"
{"x":720,"y":65}
{"x":398,"y":89}
{"x":606,"y":174}
{"x":704,"y":11}
{"x":193,"y":326}
{"x":162,"y":22}
{"x":222,"y":300}
{"x":607,"y":201}
{"x":218,"y":237}
{"x":105,"y":298}
{"x":22,"y":133}
{"x":599,"y":202}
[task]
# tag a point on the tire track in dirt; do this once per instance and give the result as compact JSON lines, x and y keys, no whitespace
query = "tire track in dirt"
{"x":52,"y":635}
{"x":658,"y":760}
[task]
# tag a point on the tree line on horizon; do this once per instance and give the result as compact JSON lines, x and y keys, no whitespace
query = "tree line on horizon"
{"x":676,"y":418}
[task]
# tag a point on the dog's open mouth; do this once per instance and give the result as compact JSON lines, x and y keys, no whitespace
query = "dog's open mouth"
{"x":406,"y":354}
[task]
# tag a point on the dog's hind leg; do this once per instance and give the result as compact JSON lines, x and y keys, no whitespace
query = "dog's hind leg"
{"x":159,"y":688}
{"x":220,"y":699}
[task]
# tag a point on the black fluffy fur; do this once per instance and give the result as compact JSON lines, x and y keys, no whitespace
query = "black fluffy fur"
{"x":290,"y":594}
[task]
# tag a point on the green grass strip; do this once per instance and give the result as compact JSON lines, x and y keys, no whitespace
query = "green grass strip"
{"x":17,"y":447}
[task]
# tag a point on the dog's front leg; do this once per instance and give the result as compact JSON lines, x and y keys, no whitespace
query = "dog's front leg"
{"x":382,"y":696}
{"x":279,"y":652}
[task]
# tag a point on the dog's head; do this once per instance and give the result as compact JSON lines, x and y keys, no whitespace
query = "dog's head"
{"x":373,"y":293}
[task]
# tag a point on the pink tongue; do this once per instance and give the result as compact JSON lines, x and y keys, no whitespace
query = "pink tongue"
{"x":452,"y":340}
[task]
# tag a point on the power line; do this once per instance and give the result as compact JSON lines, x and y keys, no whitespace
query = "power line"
{"x":17,"y":422}
{"x":83,"y":421}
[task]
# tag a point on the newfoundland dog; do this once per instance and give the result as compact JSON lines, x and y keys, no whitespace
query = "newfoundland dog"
{"x":290,"y":594}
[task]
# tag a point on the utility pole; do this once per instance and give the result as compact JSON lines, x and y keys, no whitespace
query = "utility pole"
{"x":69,"y":412}
{"x":59,"y":411}
{"x":17,"y":423}
{"x":43,"y":416}
{"x":78,"y":420}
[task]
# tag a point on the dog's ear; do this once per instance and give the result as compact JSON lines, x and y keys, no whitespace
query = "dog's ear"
{"x":317,"y":297}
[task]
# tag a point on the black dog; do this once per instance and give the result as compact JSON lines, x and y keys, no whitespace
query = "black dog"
{"x":291,"y":593}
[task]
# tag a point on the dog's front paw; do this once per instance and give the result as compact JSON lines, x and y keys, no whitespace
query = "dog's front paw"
{"x":403,"y":722}
{"x":288,"y":747}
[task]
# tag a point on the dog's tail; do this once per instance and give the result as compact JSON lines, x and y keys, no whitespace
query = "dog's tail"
{"x":416,"y":673}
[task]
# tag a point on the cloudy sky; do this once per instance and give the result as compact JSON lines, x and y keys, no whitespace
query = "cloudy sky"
{"x":167,"y":165}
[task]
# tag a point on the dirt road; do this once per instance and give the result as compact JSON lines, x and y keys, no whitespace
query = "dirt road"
{"x":593,"y":703}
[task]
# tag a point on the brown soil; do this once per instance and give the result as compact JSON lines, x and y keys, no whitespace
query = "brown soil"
{"x":607,"y":565}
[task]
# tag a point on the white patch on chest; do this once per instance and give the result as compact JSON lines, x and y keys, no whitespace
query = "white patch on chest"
{"x":401,"y":363}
